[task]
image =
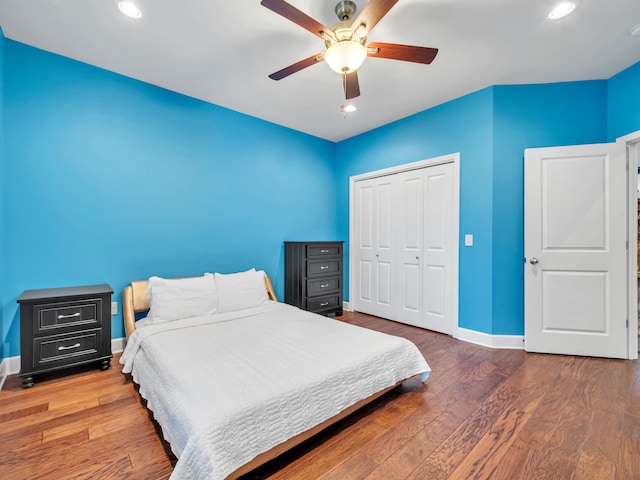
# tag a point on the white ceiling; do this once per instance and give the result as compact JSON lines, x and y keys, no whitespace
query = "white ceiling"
{"x":222,"y":52}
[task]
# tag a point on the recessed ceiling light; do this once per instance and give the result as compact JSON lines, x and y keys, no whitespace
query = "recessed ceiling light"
{"x":562,"y":10}
{"x":349,"y":108}
{"x":129,"y":9}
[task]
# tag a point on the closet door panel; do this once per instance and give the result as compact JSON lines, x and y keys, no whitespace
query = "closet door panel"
{"x":364,"y":226}
{"x":384,"y":248}
{"x":409,"y":221}
{"x":437,"y":247}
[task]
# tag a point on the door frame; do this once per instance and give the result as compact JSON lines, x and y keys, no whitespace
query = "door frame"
{"x":454,"y":159}
{"x":632,"y":144}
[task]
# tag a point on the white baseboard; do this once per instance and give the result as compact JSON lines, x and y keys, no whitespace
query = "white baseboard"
{"x":513,"y":342}
{"x":11,"y":365}
{"x":3,"y":373}
{"x":346,"y":306}
{"x":117,"y":345}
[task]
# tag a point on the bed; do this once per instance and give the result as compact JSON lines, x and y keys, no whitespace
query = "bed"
{"x":235,"y":382}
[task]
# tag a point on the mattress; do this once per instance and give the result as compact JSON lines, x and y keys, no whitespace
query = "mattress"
{"x":225,"y":388}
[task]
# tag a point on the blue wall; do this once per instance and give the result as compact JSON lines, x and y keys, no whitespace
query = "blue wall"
{"x":3,"y":332}
{"x":108,"y":179}
{"x":624,"y":102}
{"x":463,"y":125}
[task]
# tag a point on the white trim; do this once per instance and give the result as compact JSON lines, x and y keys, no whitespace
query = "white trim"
{"x":453,"y":158}
{"x":118,"y":344}
{"x":346,"y":306}
{"x":11,"y":365}
{"x":632,"y":143}
{"x":3,"y":373}
{"x":406,"y":167}
{"x":511,"y":342}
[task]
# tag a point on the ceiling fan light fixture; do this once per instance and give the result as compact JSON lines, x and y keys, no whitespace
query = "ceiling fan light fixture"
{"x":129,"y":9}
{"x":345,"y":57}
{"x":562,"y":10}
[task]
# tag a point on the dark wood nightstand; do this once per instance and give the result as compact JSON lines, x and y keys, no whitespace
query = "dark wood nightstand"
{"x":64,"y":327}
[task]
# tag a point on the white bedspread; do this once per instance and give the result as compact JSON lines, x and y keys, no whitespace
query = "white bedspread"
{"x":227,"y":387}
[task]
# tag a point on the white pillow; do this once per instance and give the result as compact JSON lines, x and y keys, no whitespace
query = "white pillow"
{"x":238,"y":291}
{"x":173,"y":299}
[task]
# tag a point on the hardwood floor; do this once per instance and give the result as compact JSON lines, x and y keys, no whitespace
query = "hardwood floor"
{"x":498,"y":414}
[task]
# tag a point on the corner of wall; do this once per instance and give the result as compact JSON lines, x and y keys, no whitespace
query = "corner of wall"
{"x":2,"y":263}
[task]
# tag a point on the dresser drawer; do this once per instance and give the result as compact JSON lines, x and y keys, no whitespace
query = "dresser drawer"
{"x":323,"y":250}
{"x":66,"y":349}
{"x":319,"y":304}
{"x":323,"y":267}
{"x":321,"y":286}
{"x":64,"y":316}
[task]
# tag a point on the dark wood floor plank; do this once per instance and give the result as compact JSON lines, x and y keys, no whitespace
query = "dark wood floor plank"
{"x":450,"y":453}
{"x":493,"y":446}
{"x":356,"y":467}
{"x":334,"y":454}
{"x":628,"y":466}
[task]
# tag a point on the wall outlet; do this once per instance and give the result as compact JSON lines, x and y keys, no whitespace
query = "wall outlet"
{"x":114,"y":308}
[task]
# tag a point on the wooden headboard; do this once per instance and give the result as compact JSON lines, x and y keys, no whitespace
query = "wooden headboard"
{"x":134,"y":300}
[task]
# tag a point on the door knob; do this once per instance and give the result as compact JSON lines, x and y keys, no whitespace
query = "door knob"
{"x":533,"y":261}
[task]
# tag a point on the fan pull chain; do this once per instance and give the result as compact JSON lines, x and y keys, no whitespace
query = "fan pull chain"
{"x":344,"y":96}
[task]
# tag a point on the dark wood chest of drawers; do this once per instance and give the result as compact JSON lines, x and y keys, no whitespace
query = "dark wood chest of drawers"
{"x":64,"y":327}
{"x":313,"y":276}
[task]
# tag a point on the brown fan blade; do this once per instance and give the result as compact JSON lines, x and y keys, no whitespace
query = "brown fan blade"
{"x":296,"y":67}
{"x":407,"y":53}
{"x":296,"y":16}
{"x":372,"y":14}
{"x":351,"y":85}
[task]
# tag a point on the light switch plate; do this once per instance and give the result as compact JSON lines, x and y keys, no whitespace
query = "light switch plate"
{"x":468,"y":240}
{"x":114,"y":308}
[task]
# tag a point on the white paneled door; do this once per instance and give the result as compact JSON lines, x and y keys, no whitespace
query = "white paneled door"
{"x":374,"y":260}
{"x":408,"y":232}
{"x":405,"y":255}
{"x":575,"y":247}
{"x":438,"y":245}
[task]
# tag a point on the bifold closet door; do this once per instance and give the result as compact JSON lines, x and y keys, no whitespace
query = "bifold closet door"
{"x":405,"y":247}
{"x":438,"y":249}
{"x":373,"y":248}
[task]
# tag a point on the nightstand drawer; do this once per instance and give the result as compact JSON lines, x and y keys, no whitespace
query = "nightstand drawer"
{"x":53,"y":317}
{"x":323,"y":250}
{"x":65,"y":349}
{"x":323,"y":303}
{"x":322,"y":286}
{"x":323,"y":267}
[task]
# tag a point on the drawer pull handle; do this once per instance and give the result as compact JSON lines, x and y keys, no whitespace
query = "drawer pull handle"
{"x":77,"y":314}
{"x":324,"y":267}
{"x":324,"y":285}
{"x":324,"y":251}
{"x":69,"y":347}
{"x":324,"y":304}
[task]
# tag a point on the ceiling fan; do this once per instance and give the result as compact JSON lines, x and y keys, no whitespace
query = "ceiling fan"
{"x":346,"y":41}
